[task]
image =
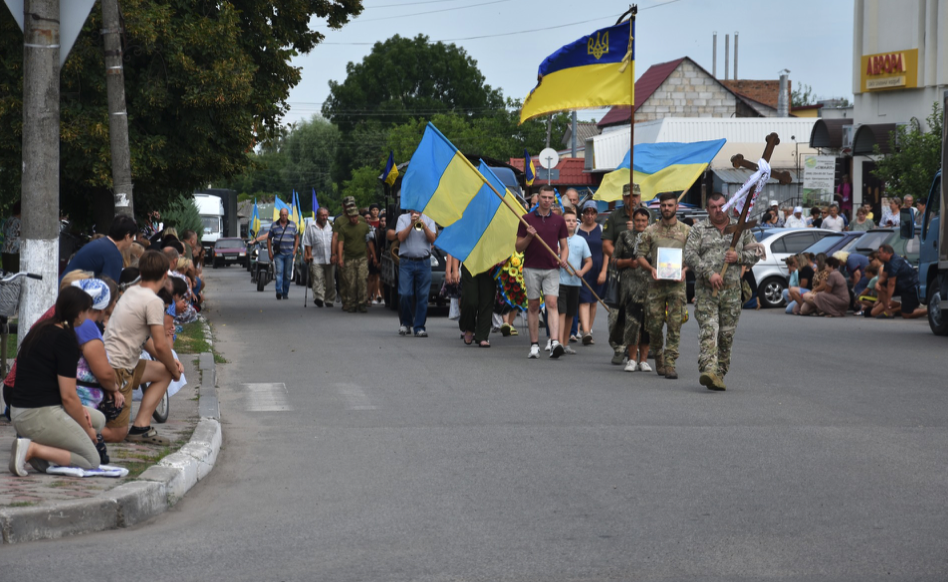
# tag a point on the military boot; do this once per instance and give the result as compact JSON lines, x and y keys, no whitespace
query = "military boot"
{"x":670,"y":372}
{"x":660,"y":364}
{"x":618,"y":358}
{"x":711,"y":381}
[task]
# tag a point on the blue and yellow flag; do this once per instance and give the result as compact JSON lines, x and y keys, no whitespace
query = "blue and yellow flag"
{"x":279,"y":205}
{"x":391,"y":170}
{"x":487,"y":233}
{"x":254,"y":226}
{"x":595,"y":71}
{"x":296,"y":214}
{"x":529,"y":170}
{"x":315,"y":204}
{"x":440,"y":181}
{"x":660,"y":167}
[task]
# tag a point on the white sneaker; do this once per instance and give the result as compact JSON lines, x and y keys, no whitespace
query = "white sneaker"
{"x":549,"y":345}
{"x":403,"y":330}
{"x":569,"y":350}
{"x":644,"y":367}
{"x":534,"y":352}
{"x":631,"y":366}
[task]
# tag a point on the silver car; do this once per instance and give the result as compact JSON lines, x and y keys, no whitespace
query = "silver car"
{"x":771,"y":272}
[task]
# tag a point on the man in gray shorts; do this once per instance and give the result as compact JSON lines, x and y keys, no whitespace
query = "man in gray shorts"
{"x":541,"y":269}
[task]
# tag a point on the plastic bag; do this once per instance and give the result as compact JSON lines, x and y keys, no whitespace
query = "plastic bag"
{"x":454,"y":311}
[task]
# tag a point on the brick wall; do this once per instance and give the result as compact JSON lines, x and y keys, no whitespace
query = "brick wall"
{"x":688,"y":92}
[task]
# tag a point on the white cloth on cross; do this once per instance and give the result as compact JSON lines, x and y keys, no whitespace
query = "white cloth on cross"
{"x":756,"y":181}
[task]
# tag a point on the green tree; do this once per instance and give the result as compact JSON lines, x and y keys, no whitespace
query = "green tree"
{"x":364,"y":186}
{"x":402,"y":79}
{"x":497,"y":136}
{"x":802,"y":96}
{"x":914,"y":157}
{"x":205,"y":82}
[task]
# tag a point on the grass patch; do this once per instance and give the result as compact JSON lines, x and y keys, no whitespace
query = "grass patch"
{"x":192,"y":340}
{"x":219,"y":359}
{"x":22,"y":504}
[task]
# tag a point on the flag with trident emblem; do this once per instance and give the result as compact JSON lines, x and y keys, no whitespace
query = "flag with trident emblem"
{"x":593,"y":71}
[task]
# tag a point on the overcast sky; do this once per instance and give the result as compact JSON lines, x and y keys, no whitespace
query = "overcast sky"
{"x":811,"y":38}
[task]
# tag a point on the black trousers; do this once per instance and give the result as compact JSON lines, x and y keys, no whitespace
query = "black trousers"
{"x":477,"y":303}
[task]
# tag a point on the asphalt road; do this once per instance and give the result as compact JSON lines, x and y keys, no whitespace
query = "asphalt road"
{"x":353,"y":454}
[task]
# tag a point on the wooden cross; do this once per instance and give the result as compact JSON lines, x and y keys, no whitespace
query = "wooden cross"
{"x":742,"y":224}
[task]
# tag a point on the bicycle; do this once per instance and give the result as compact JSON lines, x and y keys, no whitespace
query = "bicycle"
{"x":10,"y":289}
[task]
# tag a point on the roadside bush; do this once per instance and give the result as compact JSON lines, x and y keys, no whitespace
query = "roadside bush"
{"x":183,"y":215}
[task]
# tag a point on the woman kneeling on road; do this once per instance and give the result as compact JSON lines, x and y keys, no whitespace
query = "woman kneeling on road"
{"x":45,"y":407}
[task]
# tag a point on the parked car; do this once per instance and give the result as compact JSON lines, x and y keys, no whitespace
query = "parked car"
{"x":832,"y":244}
{"x":873,"y":239}
{"x":779,"y":243}
{"x":229,"y":251}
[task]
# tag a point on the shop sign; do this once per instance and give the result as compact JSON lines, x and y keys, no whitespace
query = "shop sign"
{"x":895,"y":70}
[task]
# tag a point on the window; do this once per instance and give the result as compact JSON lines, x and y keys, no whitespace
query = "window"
{"x":212,"y":224}
{"x":932,"y":206}
{"x":797,"y":242}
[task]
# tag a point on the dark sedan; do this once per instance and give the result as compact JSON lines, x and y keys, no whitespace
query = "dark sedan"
{"x":229,"y":251}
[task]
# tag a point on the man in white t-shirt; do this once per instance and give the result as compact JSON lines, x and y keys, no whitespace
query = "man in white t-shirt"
{"x":317,"y":251}
{"x":138,"y":319}
{"x":834,"y":221}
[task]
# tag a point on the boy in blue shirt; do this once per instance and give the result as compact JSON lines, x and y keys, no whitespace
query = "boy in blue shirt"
{"x":580,"y":259}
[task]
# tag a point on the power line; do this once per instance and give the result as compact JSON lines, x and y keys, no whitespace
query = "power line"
{"x":358,"y":20}
{"x":409,"y":4}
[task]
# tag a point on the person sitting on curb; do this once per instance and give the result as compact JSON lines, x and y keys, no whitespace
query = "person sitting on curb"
{"x":53,"y":425}
{"x":138,"y":315}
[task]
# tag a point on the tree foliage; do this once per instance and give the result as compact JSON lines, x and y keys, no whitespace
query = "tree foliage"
{"x":183,"y":213}
{"x":205,"y":81}
{"x":915,"y":157}
{"x":802,"y":96}
{"x":399,"y":80}
{"x":299,"y":160}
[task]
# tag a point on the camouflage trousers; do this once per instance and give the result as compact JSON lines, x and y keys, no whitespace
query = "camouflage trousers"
{"x":665,"y":297}
{"x":717,"y":321}
{"x":353,"y":286}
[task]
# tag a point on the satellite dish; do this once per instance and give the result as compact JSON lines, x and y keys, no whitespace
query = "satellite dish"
{"x":549,"y":158}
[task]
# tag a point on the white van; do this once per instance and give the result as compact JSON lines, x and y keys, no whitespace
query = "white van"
{"x":211,"y":210}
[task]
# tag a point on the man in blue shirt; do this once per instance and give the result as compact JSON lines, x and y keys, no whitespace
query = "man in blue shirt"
{"x":897,"y":278}
{"x":104,"y":256}
{"x":281,"y":246}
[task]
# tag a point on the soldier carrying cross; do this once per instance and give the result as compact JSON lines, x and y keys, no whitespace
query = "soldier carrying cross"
{"x":712,"y":247}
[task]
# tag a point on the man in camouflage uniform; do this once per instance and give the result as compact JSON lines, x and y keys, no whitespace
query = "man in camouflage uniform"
{"x":633,"y":290}
{"x":666,"y":298}
{"x":618,"y":222}
{"x":347,"y":203}
{"x":706,"y":253}
{"x":356,"y":248}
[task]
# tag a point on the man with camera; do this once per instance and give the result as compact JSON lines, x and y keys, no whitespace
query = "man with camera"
{"x":415,"y":233}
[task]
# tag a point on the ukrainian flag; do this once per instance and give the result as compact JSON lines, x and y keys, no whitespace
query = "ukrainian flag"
{"x":254,"y":226}
{"x":391,"y":170}
{"x":279,"y":205}
{"x":660,"y":167}
{"x":315,"y":204}
{"x":487,"y":233}
{"x":440,"y":181}
{"x":594,"y":71}
{"x":296,"y":215}
{"x":529,"y":170}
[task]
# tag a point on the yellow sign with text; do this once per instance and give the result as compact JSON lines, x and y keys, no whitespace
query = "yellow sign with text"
{"x":886,"y":71}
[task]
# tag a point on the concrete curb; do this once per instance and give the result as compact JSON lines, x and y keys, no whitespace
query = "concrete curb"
{"x":155,"y":490}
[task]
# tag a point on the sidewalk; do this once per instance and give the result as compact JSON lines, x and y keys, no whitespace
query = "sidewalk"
{"x":42,"y":506}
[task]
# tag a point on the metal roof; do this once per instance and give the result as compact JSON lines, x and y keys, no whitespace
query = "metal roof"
{"x":872,"y":134}
{"x":605,"y":152}
{"x":828,"y":133}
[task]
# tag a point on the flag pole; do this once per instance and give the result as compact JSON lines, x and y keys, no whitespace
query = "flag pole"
{"x":542,"y":242}
{"x":633,"y":9}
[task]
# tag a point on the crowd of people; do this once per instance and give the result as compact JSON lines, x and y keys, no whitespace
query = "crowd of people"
{"x":122,"y":299}
{"x":836,"y":218}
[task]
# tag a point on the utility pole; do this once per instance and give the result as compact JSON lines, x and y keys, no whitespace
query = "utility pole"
{"x":39,"y":249}
{"x":118,"y":117}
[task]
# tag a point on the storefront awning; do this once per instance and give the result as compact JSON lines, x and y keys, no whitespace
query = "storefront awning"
{"x":828,"y":133}
{"x":867,"y":136}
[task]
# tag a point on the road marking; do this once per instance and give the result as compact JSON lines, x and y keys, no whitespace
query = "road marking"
{"x":269,"y":397}
{"x":356,"y":398}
